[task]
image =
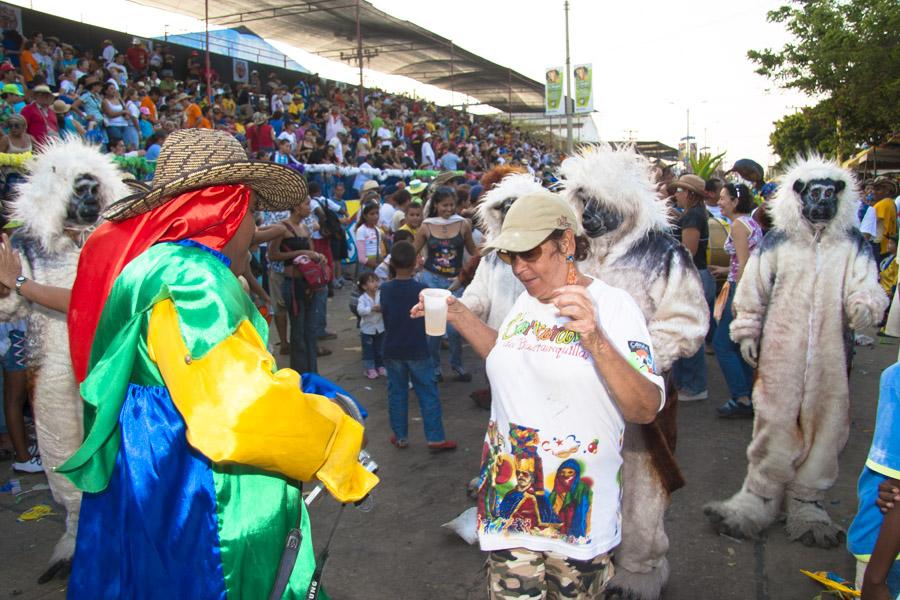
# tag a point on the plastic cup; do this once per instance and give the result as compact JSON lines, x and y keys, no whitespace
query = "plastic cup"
{"x":435,"y":310}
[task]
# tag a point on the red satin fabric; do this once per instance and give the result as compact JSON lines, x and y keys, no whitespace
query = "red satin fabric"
{"x":209,"y":216}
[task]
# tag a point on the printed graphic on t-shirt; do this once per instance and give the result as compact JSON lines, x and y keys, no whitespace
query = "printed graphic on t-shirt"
{"x":531,"y":335}
{"x":640,"y":357}
{"x":516,"y":496}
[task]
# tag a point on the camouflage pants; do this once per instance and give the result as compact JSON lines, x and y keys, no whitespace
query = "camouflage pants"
{"x":520,"y":574}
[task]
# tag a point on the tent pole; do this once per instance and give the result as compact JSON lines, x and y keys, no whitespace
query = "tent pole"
{"x":509,"y":92}
{"x":359,"y":56}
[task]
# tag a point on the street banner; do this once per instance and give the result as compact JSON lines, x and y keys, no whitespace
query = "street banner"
{"x":584,"y":96}
{"x":553,"y":91}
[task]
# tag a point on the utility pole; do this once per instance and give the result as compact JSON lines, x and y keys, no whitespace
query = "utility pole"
{"x":363,"y":115}
{"x":208,"y":73}
{"x":569,"y":146}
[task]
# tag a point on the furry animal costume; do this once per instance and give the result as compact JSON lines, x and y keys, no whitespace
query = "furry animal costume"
{"x":55,"y":225}
{"x":494,"y":289}
{"x":632,"y":249}
{"x":811,"y":277}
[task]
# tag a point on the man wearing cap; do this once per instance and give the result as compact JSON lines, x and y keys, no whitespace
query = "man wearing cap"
{"x":570,"y":364}
{"x":884,"y":189}
{"x":194,"y":441}
{"x":428,"y":159}
{"x":41,"y":119}
{"x":138,"y":58}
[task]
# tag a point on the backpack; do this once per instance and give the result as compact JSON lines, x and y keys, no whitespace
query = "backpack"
{"x":330,"y":226}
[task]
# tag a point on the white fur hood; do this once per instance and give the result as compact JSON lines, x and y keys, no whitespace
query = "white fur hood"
{"x":786,"y":207}
{"x":513,"y":187}
{"x":41,"y":201}
{"x":620,"y":179}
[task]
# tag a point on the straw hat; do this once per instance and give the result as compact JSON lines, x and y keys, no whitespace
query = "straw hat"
{"x":60,"y":107}
{"x":259,"y":118}
{"x":689,"y":182}
{"x":199,"y":158}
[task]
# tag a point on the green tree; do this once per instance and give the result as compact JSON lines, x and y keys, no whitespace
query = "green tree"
{"x":811,"y":130}
{"x":846,"y":52}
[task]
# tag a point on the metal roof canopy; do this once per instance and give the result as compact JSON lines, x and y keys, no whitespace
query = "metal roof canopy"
{"x":390,"y":45}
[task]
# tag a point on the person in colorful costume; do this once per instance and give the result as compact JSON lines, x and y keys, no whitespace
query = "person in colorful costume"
{"x":194,"y":441}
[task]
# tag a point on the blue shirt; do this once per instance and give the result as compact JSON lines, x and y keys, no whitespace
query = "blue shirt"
{"x":450,"y":161}
{"x":882,"y":463}
{"x":404,"y":337}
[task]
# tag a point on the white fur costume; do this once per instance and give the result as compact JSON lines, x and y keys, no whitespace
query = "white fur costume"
{"x":49,"y":245}
{"x":800,"y":289}
{"x":494,"y":289}
{"x":631,"y":248}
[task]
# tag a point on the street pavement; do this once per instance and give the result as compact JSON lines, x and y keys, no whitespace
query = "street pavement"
{"x":399,"y":551}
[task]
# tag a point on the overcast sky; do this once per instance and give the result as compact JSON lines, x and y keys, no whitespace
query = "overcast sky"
{"x":653,"y":59}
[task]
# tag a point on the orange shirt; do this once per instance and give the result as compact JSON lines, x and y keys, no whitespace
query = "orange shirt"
{"x":151,"y":106}
{"x":192,"y":115}
{"x":30,"y":66}
{"x":204,"y":124}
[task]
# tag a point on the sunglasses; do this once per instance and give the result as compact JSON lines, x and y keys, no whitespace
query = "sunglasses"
{"x":528,"y":256}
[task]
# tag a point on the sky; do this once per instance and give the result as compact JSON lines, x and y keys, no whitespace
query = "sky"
{"x":654,"y":60}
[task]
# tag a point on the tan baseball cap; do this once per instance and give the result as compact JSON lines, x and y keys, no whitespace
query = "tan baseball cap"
{"x":531,"y":220}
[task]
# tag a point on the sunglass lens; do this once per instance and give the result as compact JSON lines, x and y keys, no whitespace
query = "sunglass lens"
{"x":505,"y":256}
{"x":531,"y":255}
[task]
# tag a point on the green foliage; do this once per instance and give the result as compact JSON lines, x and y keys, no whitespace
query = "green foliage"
{"x":846,"y":52}
{"x":706,"y":164}
{"x":809,"y":131}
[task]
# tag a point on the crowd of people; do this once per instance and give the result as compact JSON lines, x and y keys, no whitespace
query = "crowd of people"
{"x":129,"y":99}
{"x":579,"y":351}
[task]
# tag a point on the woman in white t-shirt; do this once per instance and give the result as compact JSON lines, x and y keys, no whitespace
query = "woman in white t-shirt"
{"x":570,"y":364}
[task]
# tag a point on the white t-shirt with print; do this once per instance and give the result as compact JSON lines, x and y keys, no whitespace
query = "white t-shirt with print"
{"x":551,"y":469}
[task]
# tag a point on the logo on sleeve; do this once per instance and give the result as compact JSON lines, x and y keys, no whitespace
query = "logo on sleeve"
{"x":640,"y":358}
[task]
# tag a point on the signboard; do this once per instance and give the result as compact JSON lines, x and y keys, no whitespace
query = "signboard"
{"x":553,"y":91}
{"x":583,"y":76}
{"x":240,"y":71}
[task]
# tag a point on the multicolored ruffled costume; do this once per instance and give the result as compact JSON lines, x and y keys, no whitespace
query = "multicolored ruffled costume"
{"x":194,"y":441}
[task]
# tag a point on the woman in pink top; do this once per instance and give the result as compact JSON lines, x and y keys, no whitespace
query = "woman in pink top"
{"x":736,"y":202}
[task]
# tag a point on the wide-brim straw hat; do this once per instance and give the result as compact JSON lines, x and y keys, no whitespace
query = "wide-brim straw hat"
{"x":197,"y":158}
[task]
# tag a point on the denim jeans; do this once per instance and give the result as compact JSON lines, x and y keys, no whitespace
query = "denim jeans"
{"x":300,"y":318}
{"x":421,"y":373}
{"x":132,"y":138}
{"x":115,"y":132}
{"x":320,"y":310}
{"x":371,"y":350}
{"x":690,"y":371}
{"x":738,"y":374}
{"x":434,"y":342}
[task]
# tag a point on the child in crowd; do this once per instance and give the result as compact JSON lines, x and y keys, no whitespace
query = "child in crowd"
{"x":369,"y":240}
{"x":873,"y":537}
{"x":412,"y":219}
{"x":406,"y":354}
{"x":371,"y":325}
{"x":384,"y":270}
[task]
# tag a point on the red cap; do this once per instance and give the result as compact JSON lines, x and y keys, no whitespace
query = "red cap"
{"x":6,"y":67}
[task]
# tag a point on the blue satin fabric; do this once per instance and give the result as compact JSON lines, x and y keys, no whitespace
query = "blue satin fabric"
{"x":128,"y":530}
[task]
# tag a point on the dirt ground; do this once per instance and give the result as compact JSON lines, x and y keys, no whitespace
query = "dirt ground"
{"x":398,"y":550}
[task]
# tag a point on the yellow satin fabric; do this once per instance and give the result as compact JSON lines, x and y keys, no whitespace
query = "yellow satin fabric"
{"x":237,"y":410}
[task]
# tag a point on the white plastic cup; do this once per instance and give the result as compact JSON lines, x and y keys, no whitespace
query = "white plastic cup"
{"x":435,"y":311}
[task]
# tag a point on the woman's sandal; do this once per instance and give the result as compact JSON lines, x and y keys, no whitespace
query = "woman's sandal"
{"x":401,"y":444}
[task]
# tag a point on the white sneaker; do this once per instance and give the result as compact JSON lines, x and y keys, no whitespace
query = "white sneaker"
{"x":685,"y":396}
{"x":32,"y":465}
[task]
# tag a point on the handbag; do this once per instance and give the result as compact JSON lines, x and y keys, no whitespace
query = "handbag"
{"x":721,"y":301}
{"x":313,"y":273}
